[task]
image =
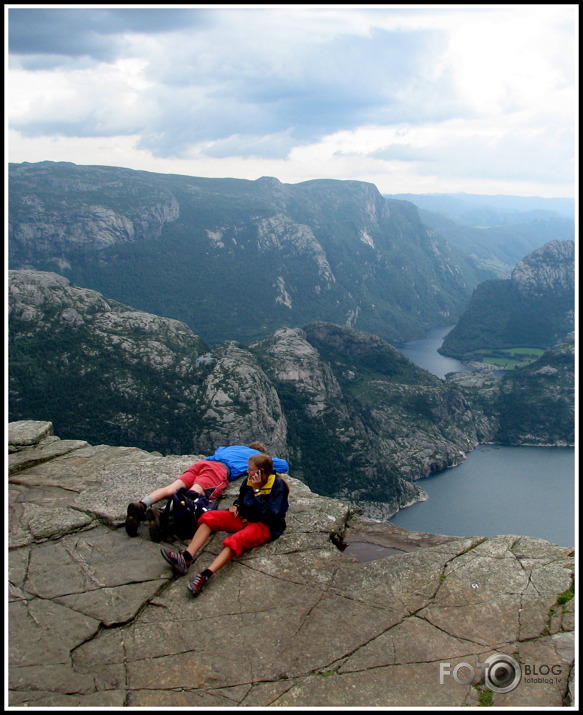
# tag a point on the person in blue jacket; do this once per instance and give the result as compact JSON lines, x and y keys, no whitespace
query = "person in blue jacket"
{"x":209,"y":476}
{"x":257,"y":516}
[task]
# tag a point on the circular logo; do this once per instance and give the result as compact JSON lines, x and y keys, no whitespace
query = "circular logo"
{"x":502,"y":673}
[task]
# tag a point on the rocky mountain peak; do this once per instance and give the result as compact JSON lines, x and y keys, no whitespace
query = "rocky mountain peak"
{"x":269,"y":182}
{"x":548,"y":269}
{"x":357,"y":418}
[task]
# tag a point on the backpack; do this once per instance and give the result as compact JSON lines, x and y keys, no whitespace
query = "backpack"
{"x":180,"y":515}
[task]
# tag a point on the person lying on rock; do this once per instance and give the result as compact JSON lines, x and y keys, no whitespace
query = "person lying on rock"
{"x":209,"y":476}
{"x":257,"y":516}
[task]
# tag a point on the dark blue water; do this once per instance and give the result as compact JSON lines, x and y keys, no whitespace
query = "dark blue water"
{"x":500,"y":490}
{"x":527,"y":491}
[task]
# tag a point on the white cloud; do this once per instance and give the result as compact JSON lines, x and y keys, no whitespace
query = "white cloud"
{"x":511,"y":62}
{"x":411,"y":96}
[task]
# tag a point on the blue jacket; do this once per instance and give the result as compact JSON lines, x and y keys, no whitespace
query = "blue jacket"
{"x":236,"y":456}
{"x":268,"y":508}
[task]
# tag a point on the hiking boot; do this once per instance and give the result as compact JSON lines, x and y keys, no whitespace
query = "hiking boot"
{"x":197,"y":583}
{"x":176,"y":560}
{"x":136,"y":513}
{"x":154,"y":525}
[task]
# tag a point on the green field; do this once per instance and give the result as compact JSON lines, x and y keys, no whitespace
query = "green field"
{"x":507,"y":358}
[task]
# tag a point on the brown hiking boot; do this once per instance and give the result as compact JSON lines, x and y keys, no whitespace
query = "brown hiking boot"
{"x":155,"y":525}
{"x":136,"y":513}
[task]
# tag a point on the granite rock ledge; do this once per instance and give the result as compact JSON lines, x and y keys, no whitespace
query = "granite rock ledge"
{"x":96,"y":618}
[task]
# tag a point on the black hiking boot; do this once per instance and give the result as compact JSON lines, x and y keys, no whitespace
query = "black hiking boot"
{"x":136,"y":513}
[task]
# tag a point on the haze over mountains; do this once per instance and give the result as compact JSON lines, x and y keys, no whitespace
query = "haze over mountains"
{"x":498,"y":208}
{"x":495,"y":232}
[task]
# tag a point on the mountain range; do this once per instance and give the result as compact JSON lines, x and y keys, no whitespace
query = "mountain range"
{"x":237,"y":259}
{"x":178,"y":313}
{"x":495,"y":232}
{"x":493,"y":209}
{"x":353,"y":415}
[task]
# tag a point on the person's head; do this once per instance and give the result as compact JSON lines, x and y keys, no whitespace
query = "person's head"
{"x":259,"y":446}
{"x":260,"y":463}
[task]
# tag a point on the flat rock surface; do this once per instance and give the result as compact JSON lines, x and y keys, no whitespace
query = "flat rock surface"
{"x":97,"y":619}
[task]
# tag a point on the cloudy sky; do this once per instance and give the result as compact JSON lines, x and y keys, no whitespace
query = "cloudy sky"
{"x":413,"y":98}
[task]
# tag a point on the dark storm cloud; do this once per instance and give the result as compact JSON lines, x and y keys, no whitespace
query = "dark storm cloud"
{"x":205,"y":87}
{"x":81,"y":32}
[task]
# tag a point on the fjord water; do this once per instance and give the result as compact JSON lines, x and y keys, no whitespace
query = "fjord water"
{"x":500,"y":490}
{"x":526,"y":491}
{"x":423,"y":352}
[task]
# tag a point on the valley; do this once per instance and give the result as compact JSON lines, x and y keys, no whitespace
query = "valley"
{"x":183,"y":313}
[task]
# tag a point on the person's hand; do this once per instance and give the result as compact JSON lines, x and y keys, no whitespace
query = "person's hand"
{"x":234,"y":509}
{"x":255,"y":479}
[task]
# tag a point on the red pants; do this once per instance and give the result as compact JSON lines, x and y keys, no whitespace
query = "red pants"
{"x":244,"y":534}
{"x":206,"y":474}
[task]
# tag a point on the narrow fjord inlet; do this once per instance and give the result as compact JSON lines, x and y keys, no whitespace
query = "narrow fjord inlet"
{"x":498,"y":489}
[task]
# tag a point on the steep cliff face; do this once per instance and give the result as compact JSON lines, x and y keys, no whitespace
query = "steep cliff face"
{"x":97,"y":619}
{"x":371,"y":422}
{"x":260,"y":254}
{"x":548,"y":270}
{"x":534,"y":308}
{"x":236,"y":402}
{"x":63,"y":211}
{"x":353,"y":414}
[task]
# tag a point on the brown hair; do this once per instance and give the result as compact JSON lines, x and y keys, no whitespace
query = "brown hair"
{"x":262,"y":462}
{"x":265,"y":463}
{"x":259,"y":446}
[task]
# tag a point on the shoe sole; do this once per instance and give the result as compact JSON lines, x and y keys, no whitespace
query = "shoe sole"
{"x":155,"y":533}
